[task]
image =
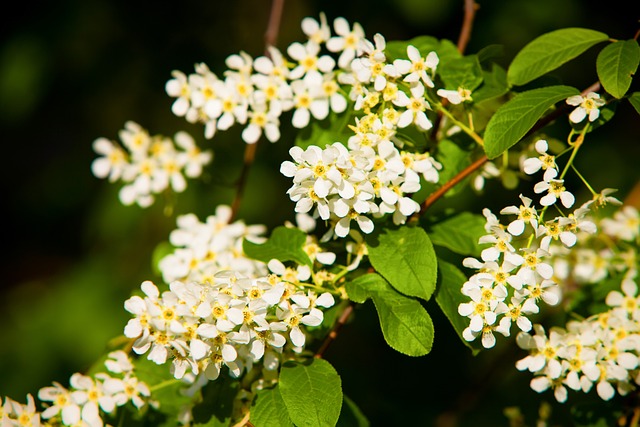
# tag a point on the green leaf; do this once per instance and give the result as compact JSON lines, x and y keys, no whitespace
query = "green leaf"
{"x":616,"y":63}
{"x":516,"y":117}
{"x":634,"y":100}
{"x":169,"y":396}
{"x":269,"y":410}
{"x":404,"y":256}
{"x":312,"y":393}
{"x":490,"y":52}
{"x":453,"y":160}
{"x":396,"y":49}
{"x":449,"y":297}
{"x":494,"y":84}
{"x":461,"y":72}
{"x":406,"y":325}
{"x":351,"y":415}
{"x":322,"y":133}
{"x":550,"y":51}
{"x":446,"y":50}
{"x":459,"y":233}
{"x":285,"y":244}
{"x":216,"y":407}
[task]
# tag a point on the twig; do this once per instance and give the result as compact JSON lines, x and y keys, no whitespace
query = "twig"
{"x":273,"y":28}
{"x":470,"y":8}
{"x":334,"y":331}
{"x":433,"y":197}
{"x":270,"y":38}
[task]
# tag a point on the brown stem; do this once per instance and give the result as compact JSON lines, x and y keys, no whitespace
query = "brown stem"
{"x":270,"y":38}
{"x":334,"y":331}
{"x":470,"y":8}
{"x":433,"y":197}
{"x":273,"y":27}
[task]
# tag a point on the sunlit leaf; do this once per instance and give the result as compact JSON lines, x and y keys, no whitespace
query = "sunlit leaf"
{"x":405,"y":257}
{"x":516,"y":117}
{"x":616,"y":63}
{"x":284,"y":244}
{"x":406,"y":325}
{"x":550,"y":51}
{"x":312,"y":393}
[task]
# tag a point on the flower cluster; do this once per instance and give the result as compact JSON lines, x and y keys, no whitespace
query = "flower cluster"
{"x":148,"y":164}
{"x":205,"y":248}
{"x":233,"y":322}
{"x":255,"y":92}
{"x":85,"y":402}
{"x":516,"y":272}
{"x":345,"y":184}
{"x":603,"y":349}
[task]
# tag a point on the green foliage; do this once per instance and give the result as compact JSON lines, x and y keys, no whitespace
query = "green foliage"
{"x":404,"y":256}
{"x":461,"y":72}
{"x":449,"y":297}
{"x":406,"y":325}
{"x":517,"y":116}
{"x":351,"y":415}
{"x":312,"y":393}
{"x":216,"y":407}
{"x":634,"y":100}
{"x":167,"y":391}
{"x":459,"y":233}
{"x":268,"y":409}
{"x":453,"y":159}
{"x":445,"y":49}
{"x":550,"y":51}
{"x":284,"y":244}
{"x":332,"y":129}
{"x":616,"y":64}
{"x":494,"y":84}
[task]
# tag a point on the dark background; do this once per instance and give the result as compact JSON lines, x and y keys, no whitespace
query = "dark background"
{"x":72,"y":71}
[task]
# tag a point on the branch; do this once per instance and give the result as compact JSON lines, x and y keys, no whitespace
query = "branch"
{"x":273,"y":27}
{"x":334,"y":331}
{"x":270,"y":38}
{"x":433,"y":197}
{"x":470,"y":8}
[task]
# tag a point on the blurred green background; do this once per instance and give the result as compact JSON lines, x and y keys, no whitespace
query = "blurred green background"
{"x":72,"y":71}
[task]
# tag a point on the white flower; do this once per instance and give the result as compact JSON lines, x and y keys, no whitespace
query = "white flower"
{"x":347,"y":41}
{"x":455,"y":96}
{"x":308,"y":61}
{"x":179,"y":88}
{"x":113,"y":160}
{"x":555,"y":190}
{"x":416,"y":67}
{"x":415,"y":108}
{"x":545,"y":161}
{"x":61,"y":404}
{"x":317,"y":32}
{"x":587,"y":106}
{"x":260,"y":119}
{"x":526,"y":215}
{"x":90,"y":395}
